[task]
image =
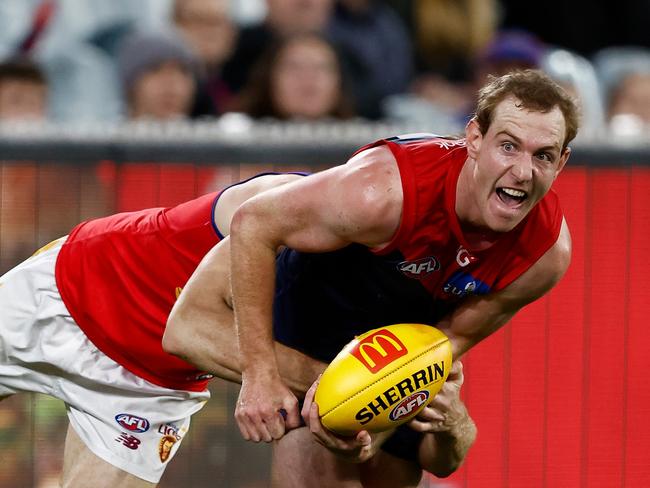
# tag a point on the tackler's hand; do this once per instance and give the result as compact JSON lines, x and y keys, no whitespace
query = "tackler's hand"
{"x":266,"y":408}
{"x":445,"y":410}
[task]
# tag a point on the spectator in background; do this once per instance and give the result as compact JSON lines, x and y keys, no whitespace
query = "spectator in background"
{"x":157,"y":71}
{"x":283,"y":18}
{"x":300,"y":78}
{"x":437,"y":102}
{"x":23,"y":91}
{"x":450,"y":35}
{"x":631,"y":96}
{"x":625,"y":78}
{"x":508,"y":50}
{"x":158,"y":75}
{"x":377,"y":50}
{"x":23,"y":98}
{"x":208,"y":29}
{"x":576,"y":74}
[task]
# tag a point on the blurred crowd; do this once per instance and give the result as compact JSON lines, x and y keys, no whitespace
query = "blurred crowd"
{"x":416,"y":61}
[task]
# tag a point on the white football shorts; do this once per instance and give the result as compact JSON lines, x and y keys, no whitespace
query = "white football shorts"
{"x":127,"y":421}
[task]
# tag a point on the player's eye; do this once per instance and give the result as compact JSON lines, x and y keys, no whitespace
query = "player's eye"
{"x":508,"y":146}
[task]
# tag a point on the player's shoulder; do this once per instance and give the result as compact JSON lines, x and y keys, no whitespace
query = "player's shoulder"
{"x":547,"y":271}
{"x":386,"y":152}
{"x":427,"y":150}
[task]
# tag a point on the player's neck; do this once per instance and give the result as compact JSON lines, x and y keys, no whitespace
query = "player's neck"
{"x":478,"y":238}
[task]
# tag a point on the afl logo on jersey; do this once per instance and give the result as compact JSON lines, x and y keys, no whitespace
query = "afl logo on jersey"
{"x":419,"y":268}
{"x":461,"y":284}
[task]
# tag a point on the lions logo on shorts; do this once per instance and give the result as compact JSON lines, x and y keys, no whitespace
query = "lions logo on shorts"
{"x":165,"y":447}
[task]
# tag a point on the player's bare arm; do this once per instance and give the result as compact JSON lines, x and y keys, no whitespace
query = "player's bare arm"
{"x":479,"y":316}
{"x":200,"y":328}
{"x":357,"y":202}
{"x":449,"y":429}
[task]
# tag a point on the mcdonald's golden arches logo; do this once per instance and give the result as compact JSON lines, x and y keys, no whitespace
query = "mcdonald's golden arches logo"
{"x":378,"y":350}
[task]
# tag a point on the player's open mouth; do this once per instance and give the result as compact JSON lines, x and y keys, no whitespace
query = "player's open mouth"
{"x":511,"y":196}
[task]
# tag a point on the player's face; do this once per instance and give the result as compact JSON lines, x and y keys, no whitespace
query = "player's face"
{"x":513,"y":165}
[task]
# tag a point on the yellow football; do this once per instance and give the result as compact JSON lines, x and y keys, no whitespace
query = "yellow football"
{"x":383,"y":378}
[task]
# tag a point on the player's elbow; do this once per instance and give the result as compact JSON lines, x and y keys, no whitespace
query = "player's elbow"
{"x":243,"y":223}
{"x":446,"y":470}
{"x":442,"y":469}
{"x":443,"y":455}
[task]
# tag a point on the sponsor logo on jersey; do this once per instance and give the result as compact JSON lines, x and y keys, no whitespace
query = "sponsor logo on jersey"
{"x":461,"y":284}
{"x":378,"y":350}
{"x":130,"y":441}
{"x":165,"y":447}
{"x":449,"y":143}
{"x":420,"y":267}
{"x":405,"y":389}
{"x":132,"y":422}
{"x":464,"y":257}
{"x":412,"y":137}
{"x":169,"y":429}
{"x":409,"y":405}
{"x":443,"y":142}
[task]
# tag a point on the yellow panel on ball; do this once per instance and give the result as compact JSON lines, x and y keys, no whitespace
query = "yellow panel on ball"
{"x":383,"y":378}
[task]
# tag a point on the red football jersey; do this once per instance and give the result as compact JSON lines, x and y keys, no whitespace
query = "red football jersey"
{"x":430,"y":238}
{"x":119,"y":277}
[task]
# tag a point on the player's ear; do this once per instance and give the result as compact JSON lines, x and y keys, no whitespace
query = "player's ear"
{"x":473,"y":138}
{"x":563,"y":159}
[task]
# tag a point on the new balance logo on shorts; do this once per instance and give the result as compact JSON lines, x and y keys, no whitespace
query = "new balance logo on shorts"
{"x":130,"y":441}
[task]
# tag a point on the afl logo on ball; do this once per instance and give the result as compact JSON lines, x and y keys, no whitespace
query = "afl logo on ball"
{"x":419,"y":268}
{"x":410,"y":404}
{"x":132,"y":422}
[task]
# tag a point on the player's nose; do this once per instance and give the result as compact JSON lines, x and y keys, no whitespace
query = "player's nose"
{"x":522,"y":168}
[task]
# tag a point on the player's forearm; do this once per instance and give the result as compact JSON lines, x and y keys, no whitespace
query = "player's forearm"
{"x":252,"y":258}
{"x":442,"y":453}
{"x":212,"y":347}
{"x":297,"y":370}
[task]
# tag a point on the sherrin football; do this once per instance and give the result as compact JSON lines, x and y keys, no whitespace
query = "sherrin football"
{"x":383,"y":378}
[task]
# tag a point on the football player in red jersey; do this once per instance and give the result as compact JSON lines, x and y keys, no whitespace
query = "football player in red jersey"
{"x":457,"y":233}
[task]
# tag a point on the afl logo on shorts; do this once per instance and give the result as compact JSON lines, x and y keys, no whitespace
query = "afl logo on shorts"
{"x":132,"y":423}
{"x":419,"y":268}
{"x":408,"y":405}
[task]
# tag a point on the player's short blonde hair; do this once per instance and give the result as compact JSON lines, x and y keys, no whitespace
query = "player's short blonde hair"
{"x":535,"y":90}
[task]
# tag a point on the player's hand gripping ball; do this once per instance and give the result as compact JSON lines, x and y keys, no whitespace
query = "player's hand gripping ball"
{"x":383,"y":378}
